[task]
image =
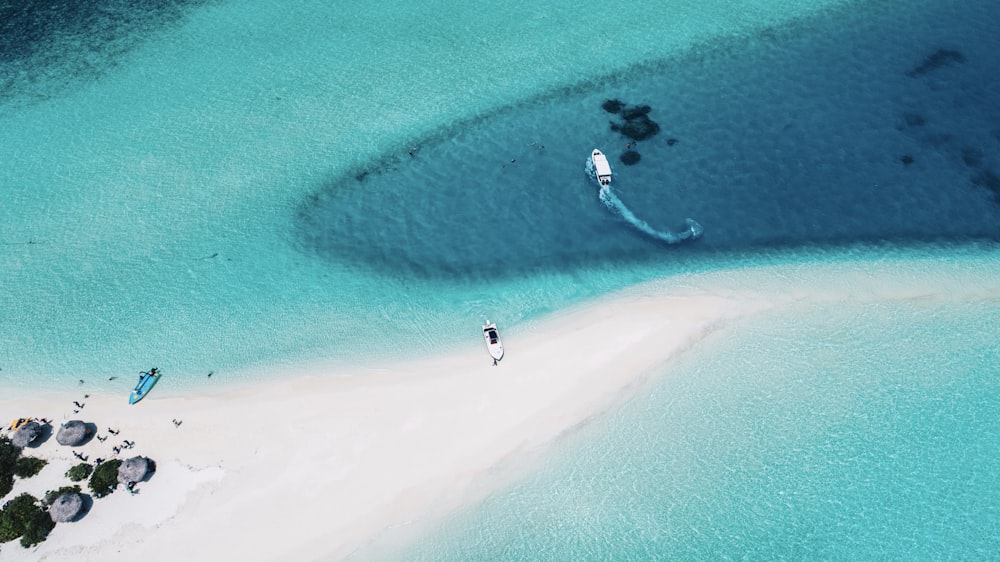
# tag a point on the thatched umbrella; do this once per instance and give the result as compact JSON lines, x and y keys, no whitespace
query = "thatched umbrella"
{"x":134,"y":469}
{"x":73,"y":433}
{"x":26,"y":434}
{"x":66,"y":507}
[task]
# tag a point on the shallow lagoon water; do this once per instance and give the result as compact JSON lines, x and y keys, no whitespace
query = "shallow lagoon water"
{"x":863,"y":433}
{"x":230,"y":189}
{"x":785,"y":139}
{"x":213,"y":219}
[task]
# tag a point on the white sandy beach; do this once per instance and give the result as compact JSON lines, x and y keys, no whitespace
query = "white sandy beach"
{"x":317,"y":464}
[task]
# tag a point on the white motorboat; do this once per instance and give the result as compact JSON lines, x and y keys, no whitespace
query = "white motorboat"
{"x":601,"y":167}
{"x":492,"y":337}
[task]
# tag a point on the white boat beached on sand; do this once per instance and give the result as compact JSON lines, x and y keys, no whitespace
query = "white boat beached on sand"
{"x":493,"y":344}
{"x":601,"y":167}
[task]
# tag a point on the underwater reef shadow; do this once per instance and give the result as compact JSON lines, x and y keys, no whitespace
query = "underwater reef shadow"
{"x":47,"y":48}
{"x":433,"y":208}
{"x":375,"y":248}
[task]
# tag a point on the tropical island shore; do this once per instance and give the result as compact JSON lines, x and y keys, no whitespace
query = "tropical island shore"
{"x":318,"y":463}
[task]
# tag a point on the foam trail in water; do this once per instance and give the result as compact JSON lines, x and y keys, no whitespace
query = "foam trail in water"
{"x":693,"y":230}
{"x":612,"y":201}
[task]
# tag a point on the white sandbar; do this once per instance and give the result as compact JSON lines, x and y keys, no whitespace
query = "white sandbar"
{"x":314,"y":464}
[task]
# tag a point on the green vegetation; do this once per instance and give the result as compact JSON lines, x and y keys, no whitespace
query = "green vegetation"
{"x":105,"y":478}
{"x":79,"y":472}
{"x":26,"y":467}
{"x":24,"y":517}
{"x":13,"y":464}
{"x":8,"y":460}
{"x":6,"y":483}
{"x":51,"y":495}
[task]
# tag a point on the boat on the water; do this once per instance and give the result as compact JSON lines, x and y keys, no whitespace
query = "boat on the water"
{"x":493,"y":343}
{"x":601,"y":167}
{"x":146,"y":381}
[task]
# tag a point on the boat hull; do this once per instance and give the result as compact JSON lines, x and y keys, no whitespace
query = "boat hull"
{"x":601,"y":167}
{"x":493,"y":343}
{"x":146,"y":383}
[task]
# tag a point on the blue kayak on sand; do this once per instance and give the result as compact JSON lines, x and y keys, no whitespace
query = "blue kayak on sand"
{"x":145,"y":384}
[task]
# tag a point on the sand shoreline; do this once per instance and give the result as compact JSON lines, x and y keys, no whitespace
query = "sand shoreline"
{"x":317,"y":465}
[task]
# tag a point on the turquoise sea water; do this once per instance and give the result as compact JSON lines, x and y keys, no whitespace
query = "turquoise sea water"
{"x":160,"y":159}
{"x":865,"y":433}
{"x":230,"y":187}
{"x":225,"y":187}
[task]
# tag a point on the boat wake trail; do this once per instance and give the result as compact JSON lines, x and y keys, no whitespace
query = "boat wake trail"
{"x":612,"y":201}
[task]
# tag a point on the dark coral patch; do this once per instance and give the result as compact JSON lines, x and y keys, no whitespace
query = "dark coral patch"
{"x":640,"y":128}
{"x":636,"y":123}
{"x":906,"y":159}
{"x":914,"y":119}
{"x":630,"y":157}
{"x":672,"y":141}
{"x":989,"y":180}
{"x":972,"y":157}
{"x":637,"y":112}
{"x":938,"y":59}
{"x":613,"y":106}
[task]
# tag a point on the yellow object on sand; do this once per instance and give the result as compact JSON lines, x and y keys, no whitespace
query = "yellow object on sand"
{"x":16,"y":424}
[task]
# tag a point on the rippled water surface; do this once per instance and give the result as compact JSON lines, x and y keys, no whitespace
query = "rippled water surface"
{"x":863,"y":433}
